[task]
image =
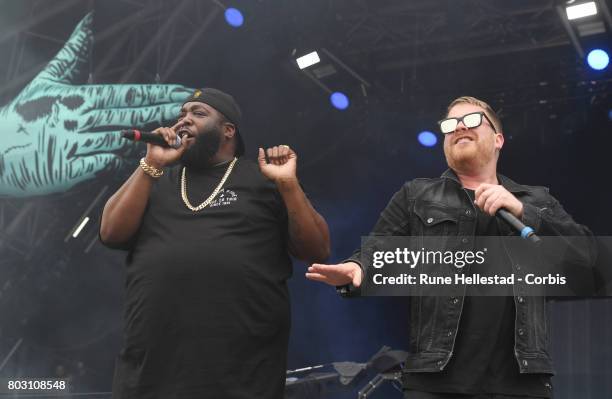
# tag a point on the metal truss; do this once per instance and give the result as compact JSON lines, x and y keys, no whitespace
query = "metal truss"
{"x":407,"y":48}
{"x":390,"y":33}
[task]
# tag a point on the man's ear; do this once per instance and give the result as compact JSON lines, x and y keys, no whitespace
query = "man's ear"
{"x":499,"y":141}
{"x":229,"y":130}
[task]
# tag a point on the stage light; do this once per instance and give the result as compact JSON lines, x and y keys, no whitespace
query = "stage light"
{"x":234,"y":17}
{"x":427,"y":138}
{"x":610,"y":114}
{"x":581,"y":10}
{"x":308,"y":60}
{"x":598,"y":59}
{"x":339,"y":100}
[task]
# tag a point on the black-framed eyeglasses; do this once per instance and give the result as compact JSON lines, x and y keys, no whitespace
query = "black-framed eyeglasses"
{"x":471,"y":120}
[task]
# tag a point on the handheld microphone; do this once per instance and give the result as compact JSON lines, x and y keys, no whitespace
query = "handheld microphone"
{"x":148,"y":137}
{"x":526,"y":231}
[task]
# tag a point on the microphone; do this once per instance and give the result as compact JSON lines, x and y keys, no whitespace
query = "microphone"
{"x":148,"y":137}
{"x":526,"y":231}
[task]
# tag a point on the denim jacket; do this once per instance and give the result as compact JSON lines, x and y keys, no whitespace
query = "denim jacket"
{"x":441,"y":206}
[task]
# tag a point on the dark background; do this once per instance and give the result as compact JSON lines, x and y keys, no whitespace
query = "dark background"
{"x":60,"y":302}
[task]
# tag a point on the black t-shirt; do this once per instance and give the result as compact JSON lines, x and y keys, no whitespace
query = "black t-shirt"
{"x":483,"y":361}
{"x":207,"y":307}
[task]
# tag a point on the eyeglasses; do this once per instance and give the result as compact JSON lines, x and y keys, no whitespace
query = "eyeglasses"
{"x":470,"y":120}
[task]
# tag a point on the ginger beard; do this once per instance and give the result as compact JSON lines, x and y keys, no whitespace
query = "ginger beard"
{"x":470,"y":156}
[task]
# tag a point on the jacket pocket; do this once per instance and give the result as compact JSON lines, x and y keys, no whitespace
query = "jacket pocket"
{"x":434,"y":218}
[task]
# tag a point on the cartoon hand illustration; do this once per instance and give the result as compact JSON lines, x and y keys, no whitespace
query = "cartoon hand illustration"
{"x":55,"y":134}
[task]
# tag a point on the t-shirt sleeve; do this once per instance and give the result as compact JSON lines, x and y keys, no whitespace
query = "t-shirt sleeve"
{"x":129,"y":244}
{"x":124,"y":246}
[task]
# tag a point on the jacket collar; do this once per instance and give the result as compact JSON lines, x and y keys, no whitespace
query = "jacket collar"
{"x":508,"y":183}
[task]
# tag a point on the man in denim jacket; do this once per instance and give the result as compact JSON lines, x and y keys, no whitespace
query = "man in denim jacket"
{"x":466,"y":346}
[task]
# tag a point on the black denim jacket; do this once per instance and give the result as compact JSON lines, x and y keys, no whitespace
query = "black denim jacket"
{"x":441,"y":206}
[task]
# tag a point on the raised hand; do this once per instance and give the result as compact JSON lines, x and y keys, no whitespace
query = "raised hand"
{"x":160,"y":157}
{"x":283,"y":163}
{"x":56,"y":133}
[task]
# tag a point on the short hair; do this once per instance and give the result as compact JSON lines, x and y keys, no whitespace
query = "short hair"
{"x":487,"y":109}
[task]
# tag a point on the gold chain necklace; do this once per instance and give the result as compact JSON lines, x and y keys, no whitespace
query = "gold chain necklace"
{"x":214,"y":193}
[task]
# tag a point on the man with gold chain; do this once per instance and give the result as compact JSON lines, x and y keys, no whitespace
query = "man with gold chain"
{"x":209,"y":236}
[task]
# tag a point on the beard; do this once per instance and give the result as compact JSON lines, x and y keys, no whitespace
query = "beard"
{"x":204,"y":148}
{"x":470,"y":157}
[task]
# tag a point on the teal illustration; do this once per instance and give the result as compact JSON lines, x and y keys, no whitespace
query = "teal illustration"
{"x":57,"y":133}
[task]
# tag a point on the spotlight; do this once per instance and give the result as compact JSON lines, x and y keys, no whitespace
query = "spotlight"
{"x":598,"y":59}
{"x":339,"y":100}
{"x":427,"y":139}
{"x":581,"y":10}
{"x":610,"y":114}
{"x":308,"y":60}
{"x":234,"y":17}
